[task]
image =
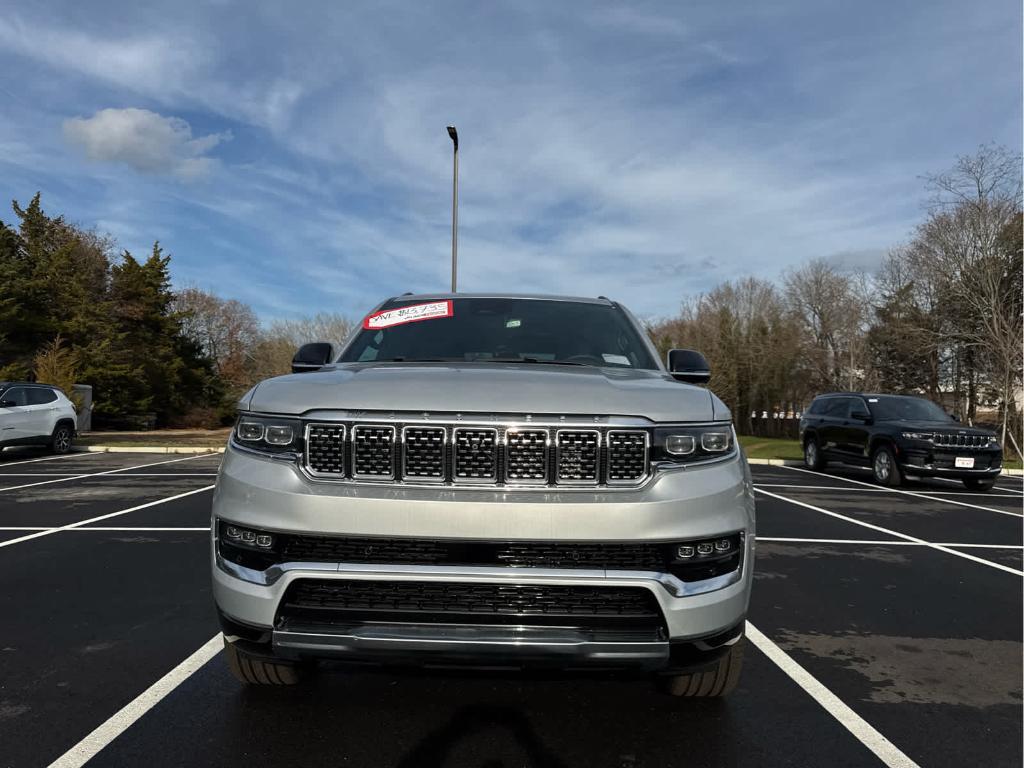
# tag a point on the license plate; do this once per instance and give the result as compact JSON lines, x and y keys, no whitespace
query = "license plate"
{"x":965,"y":462}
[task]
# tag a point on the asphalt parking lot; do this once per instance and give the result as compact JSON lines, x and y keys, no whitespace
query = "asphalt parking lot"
{"x":887,"y":628}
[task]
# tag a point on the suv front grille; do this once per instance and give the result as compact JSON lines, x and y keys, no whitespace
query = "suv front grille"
{"x":340,"y":601}
{"x":493,"y":455}
{"x":952,"y":440}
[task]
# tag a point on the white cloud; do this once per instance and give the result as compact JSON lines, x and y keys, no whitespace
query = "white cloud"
{"x":144,"y":140}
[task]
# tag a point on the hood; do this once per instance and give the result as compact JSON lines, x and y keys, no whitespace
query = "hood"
{"x":488,"y":388}
{"x":952,"y":427}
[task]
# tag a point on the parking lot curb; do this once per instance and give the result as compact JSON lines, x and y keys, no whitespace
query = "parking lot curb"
{"x":146,"y":449}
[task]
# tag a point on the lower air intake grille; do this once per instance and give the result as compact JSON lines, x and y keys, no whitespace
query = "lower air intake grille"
{"x":577,"y":455}
{"x":437,"y":602}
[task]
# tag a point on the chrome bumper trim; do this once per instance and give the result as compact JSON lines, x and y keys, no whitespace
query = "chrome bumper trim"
{"x":447,"y":642}
{"x":912,"y":469}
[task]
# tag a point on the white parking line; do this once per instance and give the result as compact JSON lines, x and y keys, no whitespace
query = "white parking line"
{"x":910,"y":493}
{"x":48,"y":458}
{"x":842,"y":489}
{"x":123,"y":719}
{"x":880,"y":542}
{"x":97,"y":528}
{"x":897,"y":534}
{"x":95,"y":474}
{"x":107,"y":516}
{"x":863,"y":731}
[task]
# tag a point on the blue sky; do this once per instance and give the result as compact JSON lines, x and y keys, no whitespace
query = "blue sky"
{"x":294,"y":155}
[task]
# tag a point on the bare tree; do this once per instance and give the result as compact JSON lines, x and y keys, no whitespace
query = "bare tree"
{"x":970,"y":245}
{"x":225,"y":329}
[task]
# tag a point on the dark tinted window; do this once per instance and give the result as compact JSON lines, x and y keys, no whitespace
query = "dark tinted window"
{"x":837,"y":407}
{"x":17,"y":394}
{"x":508,"y":330}
{"x":817,"y":407}
{"x":898,"y":408}
{"x":41,"y":396}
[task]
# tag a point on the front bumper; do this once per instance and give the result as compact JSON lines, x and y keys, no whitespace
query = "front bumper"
{"x":685,"y":504}
{"x":933,"y":462}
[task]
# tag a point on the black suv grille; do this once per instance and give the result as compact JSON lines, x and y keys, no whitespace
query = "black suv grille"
{"x":951,"y":440}
{"x":440,"y":602}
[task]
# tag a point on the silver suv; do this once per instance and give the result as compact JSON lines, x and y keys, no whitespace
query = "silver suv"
{"x":36,"y":414}
{"x":486,"y":480}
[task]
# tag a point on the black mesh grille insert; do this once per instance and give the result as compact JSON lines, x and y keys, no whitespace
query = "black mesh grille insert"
{"x":577,"y":455}
{"x":373,"y":451}
{"x":327,"y":448}
{"x":639,"y":556}
{"x":424,"y":452}
{"x":476,"y":454}
{"x":627,"y":456}
{"x":527,"y":455}
{"x":428,"y":601}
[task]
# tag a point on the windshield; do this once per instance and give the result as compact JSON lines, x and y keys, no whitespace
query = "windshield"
{"x":906,"y":409}
{"x":500,"y":330}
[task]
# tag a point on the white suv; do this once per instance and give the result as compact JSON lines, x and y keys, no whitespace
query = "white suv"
{"x":36,"y":414}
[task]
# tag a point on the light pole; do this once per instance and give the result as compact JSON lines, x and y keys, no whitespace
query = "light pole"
{"x":455,"y":204}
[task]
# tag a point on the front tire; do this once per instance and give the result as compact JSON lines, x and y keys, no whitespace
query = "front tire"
{"x":720,"y":680}
{"x":61,"y":439}
{"x":812,"y":454}
{"x":884,"y":467}
{"x":984,"y":484}
{"x":255,"y":670}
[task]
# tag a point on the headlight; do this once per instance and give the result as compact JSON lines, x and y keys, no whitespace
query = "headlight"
{"x":927,"y":436}
{"x":685,"y":444}
{"x":269,"y":434}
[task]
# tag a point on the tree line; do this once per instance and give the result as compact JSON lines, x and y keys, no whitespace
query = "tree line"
{"x":75,"y":309}
{"x":941,"y":317}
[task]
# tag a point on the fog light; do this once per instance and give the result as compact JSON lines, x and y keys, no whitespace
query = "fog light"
{"x":232,"y":533}
{"x":705,"y":548}
{"x":684,"y":551}
{"x":723,"y":545}
{"x":264,"y":540}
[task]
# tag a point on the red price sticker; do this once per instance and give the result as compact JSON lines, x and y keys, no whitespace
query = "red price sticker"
{"x":410,"y":314}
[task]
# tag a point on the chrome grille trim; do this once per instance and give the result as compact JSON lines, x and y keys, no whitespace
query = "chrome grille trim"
{"x":467,"y":463}
{"x":332,"y":438}
{"x":953,"y":440}
{"x":541,"y":458}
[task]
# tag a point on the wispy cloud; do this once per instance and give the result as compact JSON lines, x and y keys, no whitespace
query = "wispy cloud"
{"x":143,"y":140}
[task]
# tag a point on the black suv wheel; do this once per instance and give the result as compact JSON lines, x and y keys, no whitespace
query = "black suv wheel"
{"x":812,"y":454}
{"x":884,"y":467}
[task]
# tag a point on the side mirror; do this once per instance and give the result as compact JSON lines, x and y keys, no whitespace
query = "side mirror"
{"x":689,"y":366}
{"x":955,"y":417}
{"x":7,"y":404}
{"x":313,"y":357}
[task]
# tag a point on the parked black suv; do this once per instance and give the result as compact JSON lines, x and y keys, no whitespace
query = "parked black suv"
{"x":897,"y":435}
